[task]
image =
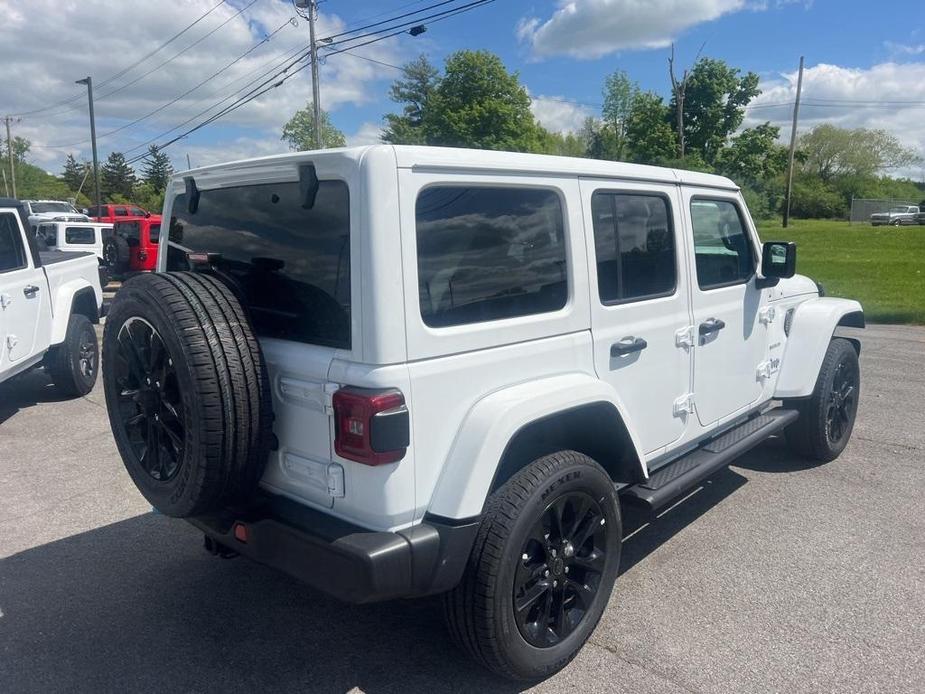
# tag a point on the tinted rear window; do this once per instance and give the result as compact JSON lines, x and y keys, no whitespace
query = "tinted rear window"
{"x":489,"y":253}
{"x":79,"y":235}
{"x":291,"y":265}
{"x":154,"y":233}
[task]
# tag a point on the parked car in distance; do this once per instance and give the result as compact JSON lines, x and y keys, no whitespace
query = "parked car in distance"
{"x":133,"y":245}
{"x":49,"y":302}
{"x":85,"y":237}
{"x":39,"y":211}
{"x":897,"y":215}
{"x":400,"y":371}
{"x":113,"y":212}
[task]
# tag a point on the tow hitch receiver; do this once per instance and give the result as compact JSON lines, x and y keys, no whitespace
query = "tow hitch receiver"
{"x":217,"y":549}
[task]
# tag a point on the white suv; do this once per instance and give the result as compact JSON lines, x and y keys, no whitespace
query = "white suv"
{"x":398,"y":371}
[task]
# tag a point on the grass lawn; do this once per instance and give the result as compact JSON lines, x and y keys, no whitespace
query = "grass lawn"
{"x":882,"y":267}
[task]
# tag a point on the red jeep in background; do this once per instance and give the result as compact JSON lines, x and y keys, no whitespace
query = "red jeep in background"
{"x":133,"y":244}
{"x":114,"y":212}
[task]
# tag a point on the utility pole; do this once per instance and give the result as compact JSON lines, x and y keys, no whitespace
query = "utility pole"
{"x":316,"y":86}
{"x":793,"y":145}
{"x":9,"y":153}
{"x":96,"y":162}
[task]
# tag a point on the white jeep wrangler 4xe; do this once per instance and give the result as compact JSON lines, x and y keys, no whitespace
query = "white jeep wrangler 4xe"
{"x":400,"y":371}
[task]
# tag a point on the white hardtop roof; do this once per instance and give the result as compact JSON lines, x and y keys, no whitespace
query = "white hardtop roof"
{"x":453,"y":158}
{"x":78,"y":224}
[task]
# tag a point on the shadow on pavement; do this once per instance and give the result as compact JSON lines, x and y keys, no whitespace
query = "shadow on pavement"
{"x":139,"y":605}
{"x":26,"y":390}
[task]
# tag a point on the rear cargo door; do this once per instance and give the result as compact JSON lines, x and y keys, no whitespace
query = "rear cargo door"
{"x":289,"y":264}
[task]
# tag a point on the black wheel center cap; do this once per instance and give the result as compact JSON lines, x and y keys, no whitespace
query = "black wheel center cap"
{"x":558,"y":566}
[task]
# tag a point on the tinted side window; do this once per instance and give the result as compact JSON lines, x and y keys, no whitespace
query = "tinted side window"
{"x":489,"y":253}
{"x":154,"y":233}
{"x":291,"y":265}
{"x":721,"y":244}
{"x":634,"y":246}
{"x":12,"y":253}
{"x":49,"y":232}
{"x":121,"y":212}
{"x":128,"y":230}
{"x":85,"y":235}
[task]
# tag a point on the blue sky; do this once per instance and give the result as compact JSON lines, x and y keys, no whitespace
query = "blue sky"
{"x":866,"y":62}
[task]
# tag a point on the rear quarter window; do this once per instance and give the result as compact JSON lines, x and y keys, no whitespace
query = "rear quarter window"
{"x":291,"y":264}
{"x":80,"y":235}
{"x":489,"y":253}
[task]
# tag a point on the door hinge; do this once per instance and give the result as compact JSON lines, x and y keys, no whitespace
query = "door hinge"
{"x":684,"y":405}
{"x":11,"y":341}
{"x":684,"y":337}
{"x":766,"y":368}
{"x":5,"y":300}
{"x":766,"y":315}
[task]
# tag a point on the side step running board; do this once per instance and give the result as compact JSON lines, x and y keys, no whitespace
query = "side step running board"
{"x":686,"y":472}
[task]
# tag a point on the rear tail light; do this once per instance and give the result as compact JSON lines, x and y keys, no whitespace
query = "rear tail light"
{"x":371,"y":426}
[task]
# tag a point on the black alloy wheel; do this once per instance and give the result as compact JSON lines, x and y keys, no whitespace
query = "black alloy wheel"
{"x":149,"y":403}
{"x":841,"y":404}
{"x":560,"y":570}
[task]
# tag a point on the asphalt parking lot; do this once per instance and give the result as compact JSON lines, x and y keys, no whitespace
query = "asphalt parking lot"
{"x":774,"y":576}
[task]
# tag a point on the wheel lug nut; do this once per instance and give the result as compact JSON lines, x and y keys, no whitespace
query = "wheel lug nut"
{"x":566,"y":569}
{"x":552,"y":552}
{"x":603,"y":520}
{"x":555,"y":583}
{"x":525,"y":557}
{"x":546,"y":574}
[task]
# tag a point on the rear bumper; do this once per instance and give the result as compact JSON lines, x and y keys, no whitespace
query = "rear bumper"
{"x":344,"y":560}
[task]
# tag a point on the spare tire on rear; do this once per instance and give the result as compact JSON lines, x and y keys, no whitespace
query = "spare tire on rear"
{"x":187,"y":392}
{"x":116,"y":254}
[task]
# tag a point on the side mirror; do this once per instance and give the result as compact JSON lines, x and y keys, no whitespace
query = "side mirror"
{"x":779,"y":259}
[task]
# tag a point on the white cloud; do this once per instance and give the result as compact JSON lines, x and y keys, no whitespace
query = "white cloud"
{"x":889,"y":96}
{"x":593,"y":28}
{"x":904,"y":48}
{"x":559,"y":114}
{"x":100,"y":37}
{"x":367,"y":134}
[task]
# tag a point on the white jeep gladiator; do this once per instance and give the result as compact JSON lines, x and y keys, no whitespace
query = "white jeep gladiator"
{"x":401,"y":371}
{"x":49,"y":301}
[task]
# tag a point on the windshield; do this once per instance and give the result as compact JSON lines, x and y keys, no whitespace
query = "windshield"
{"x":899,"y":209}
{"x":41,"y":207}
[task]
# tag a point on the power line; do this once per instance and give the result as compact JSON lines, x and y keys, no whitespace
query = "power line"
{"x":184,"y":94}
{"x":266,"y":86}
{"x":133,"y":65}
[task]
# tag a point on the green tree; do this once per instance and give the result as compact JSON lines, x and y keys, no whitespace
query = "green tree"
{"x":74,"y":172}
{"x":715,"y":97}
{"x":21,"y":147}
{"x":157,"y":169}
{"x":830,"y":152}
{"x":118,"y":177}
{"x":478,"y":103}
{"x":619,"y":96}
{"x":299,"y":131}
{"x":420,"y":78}
{"x":650,"y":137}
{"x":753,"y":155}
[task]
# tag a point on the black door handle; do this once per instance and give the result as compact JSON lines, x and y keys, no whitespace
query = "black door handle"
{"x":627,"y":345}
{"x":711,"y":325}
{"x":30,"y":290}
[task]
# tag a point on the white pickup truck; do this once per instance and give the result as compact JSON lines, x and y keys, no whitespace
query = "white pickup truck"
{"x":49,"y":302}
{"x":897,"y":215}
